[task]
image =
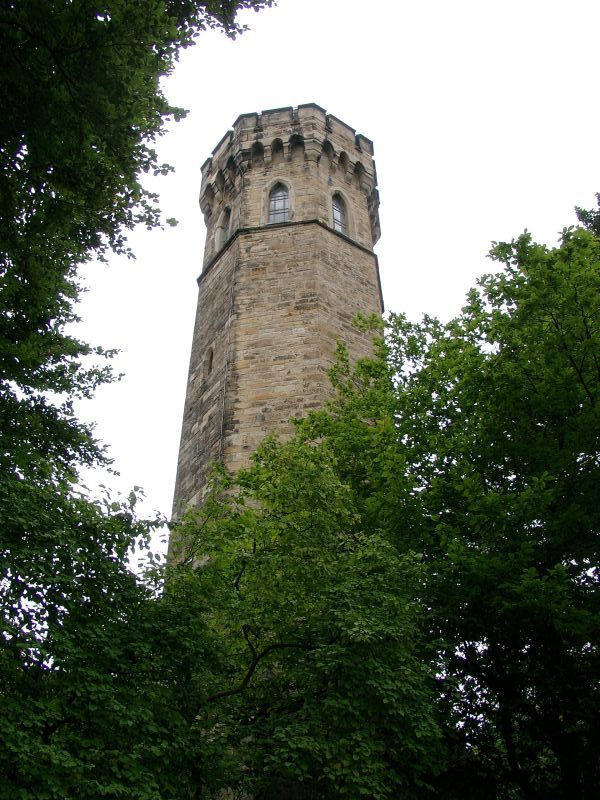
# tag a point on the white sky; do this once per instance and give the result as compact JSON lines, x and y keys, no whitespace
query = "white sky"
{"x":484,"y":116}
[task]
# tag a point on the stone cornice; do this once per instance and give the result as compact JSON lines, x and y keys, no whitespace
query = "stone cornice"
{"x":287,"y":225}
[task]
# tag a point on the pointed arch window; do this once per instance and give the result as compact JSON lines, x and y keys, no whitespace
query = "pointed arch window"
{"x":279,"y":204}
{"x":340,"y":218}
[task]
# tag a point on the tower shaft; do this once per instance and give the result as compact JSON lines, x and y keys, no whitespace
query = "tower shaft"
{"x":290,"y":201}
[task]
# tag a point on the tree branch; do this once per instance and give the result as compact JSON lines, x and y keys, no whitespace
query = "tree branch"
{"x":254,"y":664}
{"x":572,"y":362}
{"x":238,"y":577}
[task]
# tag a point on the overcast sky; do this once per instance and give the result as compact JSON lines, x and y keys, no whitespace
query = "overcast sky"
{"x":485,"y":120}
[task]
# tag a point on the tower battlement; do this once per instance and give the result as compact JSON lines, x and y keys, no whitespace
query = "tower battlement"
{"x":306,"y":138}
{"x":309,"y":120}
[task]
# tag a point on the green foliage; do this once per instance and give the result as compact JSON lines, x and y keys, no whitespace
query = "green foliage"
{"x":479,"y":442}
{"x":82,"y":107}
{"x":590,"y":218}
{"x":98,"y":689}
{"x":401,"y":600}
{"x":95,"y":703}
{"x":321,"y":692}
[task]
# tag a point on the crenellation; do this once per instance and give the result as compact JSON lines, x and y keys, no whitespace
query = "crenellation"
{"x":363,"y":144}
{"x":247,"y":121}
{"x":277,"y":116}
{"x":223,"y":147}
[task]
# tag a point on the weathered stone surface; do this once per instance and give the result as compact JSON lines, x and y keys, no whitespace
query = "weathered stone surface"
{"x":275,"y":298}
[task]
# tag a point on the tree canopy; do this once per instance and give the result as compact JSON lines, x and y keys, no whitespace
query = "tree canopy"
{"x":401,"y":601}
{"x":82,"y":106}
{"x":476,"y":444}
{"x":322,"y":690}
{"x":406,"y":593}
{"x":81,"y":109}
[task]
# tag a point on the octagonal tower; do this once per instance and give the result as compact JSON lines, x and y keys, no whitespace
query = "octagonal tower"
{"x":290,"y":201}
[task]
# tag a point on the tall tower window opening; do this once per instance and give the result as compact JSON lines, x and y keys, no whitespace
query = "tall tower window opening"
{"x":225,"y":225}
{"x":208,"y":363}
{"x":279,"y":204}
{"x":340,"y":219}
{"x":222,"y":232}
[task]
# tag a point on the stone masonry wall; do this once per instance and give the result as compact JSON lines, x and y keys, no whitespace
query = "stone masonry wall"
{"x":298,"y":290}
{"x":201,"y":433}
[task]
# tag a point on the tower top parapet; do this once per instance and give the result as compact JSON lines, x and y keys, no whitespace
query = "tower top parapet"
{"x":307,"y":134}
{"x":308,"y":120}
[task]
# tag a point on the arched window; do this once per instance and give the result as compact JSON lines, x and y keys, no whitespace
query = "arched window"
{"x":328,"y":153}
{"x":359,"y":172}
{"x":279,"y":205}
{"x":258,"y":154}
{"x":231,"y":168}
{"x":340,"y":219}
{"x":276,"y":151}
{"x":297,"y":148}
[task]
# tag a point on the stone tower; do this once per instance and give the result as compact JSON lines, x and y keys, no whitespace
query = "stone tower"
{"x":290,"y":201}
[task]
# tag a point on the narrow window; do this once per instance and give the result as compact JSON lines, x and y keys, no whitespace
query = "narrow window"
{"x":258,"y":154}
{"x":279,"y":207}
{"x":208,"y":364}
{"x":297,"y":148}
{"x":225,"y":225}
{"x":222,"y":231}
{"x":276,"y":151}
{"x":339,"y":214}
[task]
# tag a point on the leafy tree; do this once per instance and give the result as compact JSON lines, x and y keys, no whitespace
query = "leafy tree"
{"x":478,"y":441}
{"x":590,"y":218}
{"x":439,"y":518}
{"x":322,"y":692}
{"x":97,"y":691}
{"x":438,"y":524}
{"x":94,"y":702}
{"x":82,"y":107}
